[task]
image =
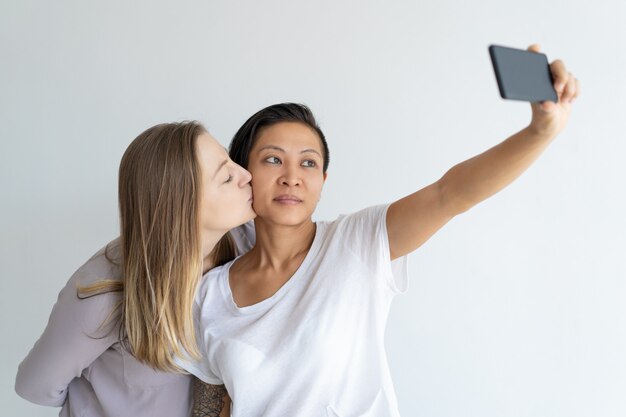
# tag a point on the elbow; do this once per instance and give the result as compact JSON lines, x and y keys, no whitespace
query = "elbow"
{"x":461,"y":206}
{"x":32,"y":388}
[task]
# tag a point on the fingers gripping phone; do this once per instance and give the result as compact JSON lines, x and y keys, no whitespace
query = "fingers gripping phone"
{"x":522,"y":75}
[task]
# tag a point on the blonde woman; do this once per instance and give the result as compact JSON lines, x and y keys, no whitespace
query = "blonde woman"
{"x":108,"y":347}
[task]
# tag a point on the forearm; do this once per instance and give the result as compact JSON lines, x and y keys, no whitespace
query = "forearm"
{"x":472,"y":181}
{"x":210,"y":400}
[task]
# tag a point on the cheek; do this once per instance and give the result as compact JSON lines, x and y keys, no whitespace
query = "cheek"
{"x":214,"y":201}
{"x":258,"y":183}
{"x":318,"y":184}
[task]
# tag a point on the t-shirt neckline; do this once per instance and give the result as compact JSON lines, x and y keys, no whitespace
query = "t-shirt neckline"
{"x":268,"y":302}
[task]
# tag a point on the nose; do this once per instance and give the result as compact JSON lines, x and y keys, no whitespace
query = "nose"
{"x":245,"y":177}
{"x":290,"y":177}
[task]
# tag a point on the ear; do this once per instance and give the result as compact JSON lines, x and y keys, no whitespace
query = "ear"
{"x":325,"y":176}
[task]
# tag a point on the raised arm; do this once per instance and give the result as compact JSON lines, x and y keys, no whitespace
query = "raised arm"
{"x":412,"y":220}
{"x":210,"y":400}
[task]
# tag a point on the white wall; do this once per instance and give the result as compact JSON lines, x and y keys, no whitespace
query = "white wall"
{"x":515,"y":308}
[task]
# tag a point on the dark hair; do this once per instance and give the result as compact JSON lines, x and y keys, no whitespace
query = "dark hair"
{"x":246,"y":136}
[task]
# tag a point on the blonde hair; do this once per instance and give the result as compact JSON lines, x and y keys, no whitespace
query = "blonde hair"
{"x":160,"y":243}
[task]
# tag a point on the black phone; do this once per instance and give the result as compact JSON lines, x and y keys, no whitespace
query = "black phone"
{"x":522,"y":75}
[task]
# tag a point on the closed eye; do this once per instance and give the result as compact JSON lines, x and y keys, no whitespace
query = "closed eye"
{"x":229,"y":179}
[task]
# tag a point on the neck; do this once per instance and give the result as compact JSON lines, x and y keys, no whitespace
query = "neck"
{"x":277,"y":245}
{"x":209,"y":240}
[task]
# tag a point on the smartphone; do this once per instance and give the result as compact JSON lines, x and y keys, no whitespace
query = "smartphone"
{"x":522,"y":75}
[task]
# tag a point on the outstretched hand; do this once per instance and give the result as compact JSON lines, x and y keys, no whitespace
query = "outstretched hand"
{"x":550,"y":118}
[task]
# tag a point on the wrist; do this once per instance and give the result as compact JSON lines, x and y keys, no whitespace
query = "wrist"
{"x":542,"y":131}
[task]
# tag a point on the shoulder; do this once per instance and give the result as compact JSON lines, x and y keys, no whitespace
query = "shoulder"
{"x":362,"y":234}
{"x":211,"y":282}
{"x":362,"y":221}
{"x":105,"y":264}
{"x":92,"y":311}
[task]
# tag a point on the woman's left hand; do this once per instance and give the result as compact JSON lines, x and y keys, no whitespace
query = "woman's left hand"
{"x":550,"y":118}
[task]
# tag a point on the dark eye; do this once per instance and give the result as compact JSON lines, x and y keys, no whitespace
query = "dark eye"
{"x":309,"y":163}
{"x":272,"y":160}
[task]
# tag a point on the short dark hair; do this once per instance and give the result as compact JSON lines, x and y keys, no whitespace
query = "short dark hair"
{"x":246,"y":136}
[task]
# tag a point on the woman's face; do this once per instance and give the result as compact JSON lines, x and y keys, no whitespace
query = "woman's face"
{"x":226,"y":194}
{"x":286,"y":164}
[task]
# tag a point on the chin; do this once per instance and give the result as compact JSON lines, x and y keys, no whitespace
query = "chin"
{"x":290,"y":220}
{"x":289,"y":217}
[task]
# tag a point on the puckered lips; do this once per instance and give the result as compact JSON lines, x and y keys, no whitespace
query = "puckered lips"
{"x":288,"y":199}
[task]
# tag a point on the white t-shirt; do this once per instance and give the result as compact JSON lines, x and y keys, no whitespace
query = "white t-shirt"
{"x":316,"y":347}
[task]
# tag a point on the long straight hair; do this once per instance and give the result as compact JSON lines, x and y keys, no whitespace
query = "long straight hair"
{"x":160,"y":244}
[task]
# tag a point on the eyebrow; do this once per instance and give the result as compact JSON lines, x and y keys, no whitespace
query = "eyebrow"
{"x":277,"y":148}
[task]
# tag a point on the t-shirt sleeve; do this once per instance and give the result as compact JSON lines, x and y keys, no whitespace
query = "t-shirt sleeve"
{"x":366,"y":233}
{"x":200,"y":368}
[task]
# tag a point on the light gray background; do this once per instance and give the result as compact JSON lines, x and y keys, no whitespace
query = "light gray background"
{"x":514,"y":309}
